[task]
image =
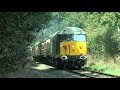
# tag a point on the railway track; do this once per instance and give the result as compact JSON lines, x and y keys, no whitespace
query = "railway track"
{"x":92,"y":74}
{"x":89,"y":73}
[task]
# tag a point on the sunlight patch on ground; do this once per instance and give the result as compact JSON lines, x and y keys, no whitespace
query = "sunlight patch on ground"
{"x":42,"y":67}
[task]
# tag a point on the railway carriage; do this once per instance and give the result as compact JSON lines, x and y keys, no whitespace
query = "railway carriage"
{"x":66,"y":48}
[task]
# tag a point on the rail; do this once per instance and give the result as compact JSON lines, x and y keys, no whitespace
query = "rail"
{"x":92,"y":74}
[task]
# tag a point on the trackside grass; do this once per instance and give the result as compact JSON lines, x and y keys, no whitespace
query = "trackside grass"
{"x":104,"y":66}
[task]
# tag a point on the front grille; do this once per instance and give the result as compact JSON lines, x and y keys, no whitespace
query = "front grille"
{"x":71,"y":58}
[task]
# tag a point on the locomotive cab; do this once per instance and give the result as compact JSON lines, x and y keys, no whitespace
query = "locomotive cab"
{"x":72,"y":48}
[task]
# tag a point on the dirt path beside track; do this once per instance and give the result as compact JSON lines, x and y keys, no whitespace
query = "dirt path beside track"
{"x":39,"y":70}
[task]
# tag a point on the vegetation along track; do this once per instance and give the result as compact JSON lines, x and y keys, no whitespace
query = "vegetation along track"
{"x":92,"y":74}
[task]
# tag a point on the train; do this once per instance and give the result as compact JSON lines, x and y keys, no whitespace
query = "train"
{"x":65,"y":48}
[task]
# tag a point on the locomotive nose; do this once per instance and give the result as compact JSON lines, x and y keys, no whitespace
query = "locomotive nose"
{"x":72,"y":48}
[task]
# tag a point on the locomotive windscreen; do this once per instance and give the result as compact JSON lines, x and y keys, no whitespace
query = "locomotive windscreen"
{"x":73,"y":37}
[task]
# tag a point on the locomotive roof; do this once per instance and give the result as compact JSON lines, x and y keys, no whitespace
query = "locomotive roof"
{"x":72,"y":30}
{"x":53,"y":34}
{"x":50,"y":37}
{"x":68,"y":30}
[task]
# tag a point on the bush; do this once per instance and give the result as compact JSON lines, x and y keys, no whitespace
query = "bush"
{"x":16,"y":35}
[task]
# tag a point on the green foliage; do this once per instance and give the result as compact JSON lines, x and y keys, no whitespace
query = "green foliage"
{"x":100,"y":27}
{"x":16,"y":34}
{"x":18,"y":30}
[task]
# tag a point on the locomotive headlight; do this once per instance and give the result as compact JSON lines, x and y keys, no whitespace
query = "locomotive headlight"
{"x":83,"y":57}
{"x":64,"y":57}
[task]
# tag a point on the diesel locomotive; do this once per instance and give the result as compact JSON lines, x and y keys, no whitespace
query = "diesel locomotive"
{"x":65,"y":48}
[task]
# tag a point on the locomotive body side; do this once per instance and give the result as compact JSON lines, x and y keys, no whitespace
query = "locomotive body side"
{"x":48,"y":49}
{"x":36,"y":52}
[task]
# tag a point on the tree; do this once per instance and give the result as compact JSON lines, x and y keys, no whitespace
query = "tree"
{"x":16,"y":35}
